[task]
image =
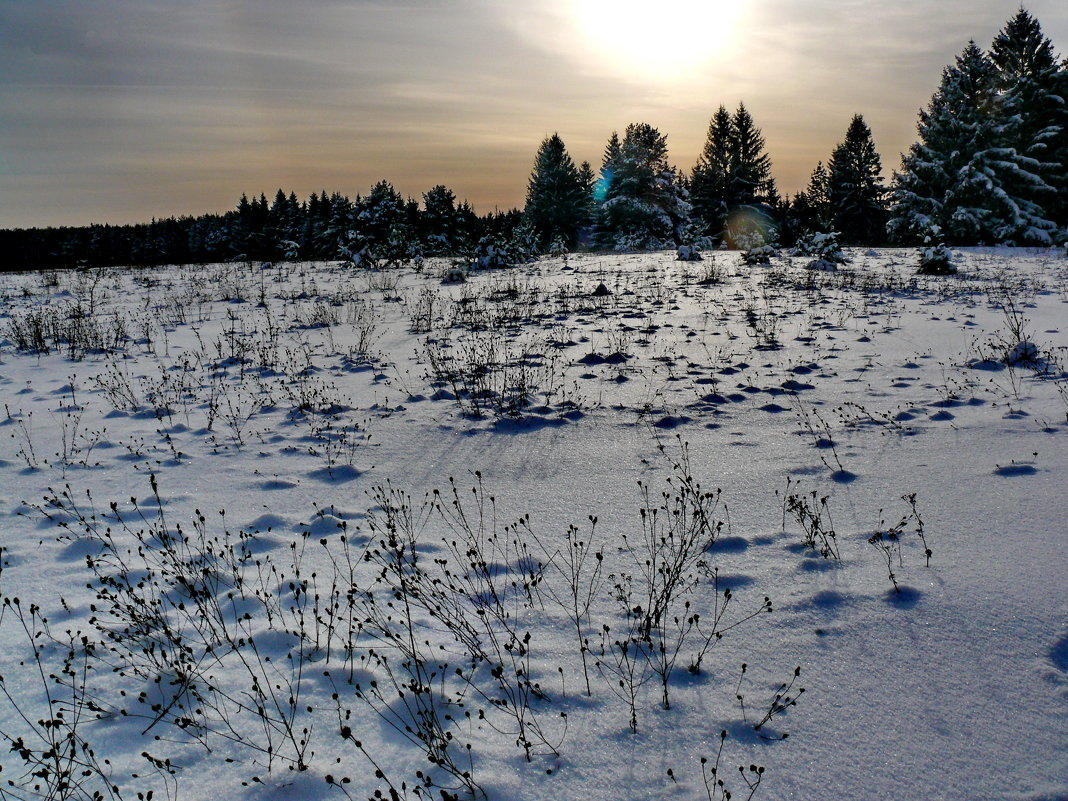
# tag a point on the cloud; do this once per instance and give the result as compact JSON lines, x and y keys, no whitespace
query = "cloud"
{"x":126,"y":109}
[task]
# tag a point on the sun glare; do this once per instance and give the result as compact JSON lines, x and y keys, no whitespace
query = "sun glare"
{"x":662,"y":39}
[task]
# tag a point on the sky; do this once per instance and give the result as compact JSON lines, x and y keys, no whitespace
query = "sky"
{"x":117,"y":111}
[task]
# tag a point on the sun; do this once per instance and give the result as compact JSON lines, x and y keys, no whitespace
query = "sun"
{"x":657,"y":39}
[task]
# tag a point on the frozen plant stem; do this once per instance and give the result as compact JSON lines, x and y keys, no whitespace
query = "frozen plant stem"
{"x":888,"y":539}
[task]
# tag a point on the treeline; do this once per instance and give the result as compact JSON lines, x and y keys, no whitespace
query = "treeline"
{"x":990,"y":166}
{"x":382,"y":225}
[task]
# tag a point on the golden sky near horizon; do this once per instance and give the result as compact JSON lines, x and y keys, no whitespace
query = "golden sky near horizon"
{"x":123,"y":110}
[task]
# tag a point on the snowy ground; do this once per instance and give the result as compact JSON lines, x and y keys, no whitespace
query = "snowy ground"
{"x":295,"y":405}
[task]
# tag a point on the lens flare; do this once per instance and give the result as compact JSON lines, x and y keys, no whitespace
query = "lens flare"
{"x":600,"y":188}
{"x":749,"y":227}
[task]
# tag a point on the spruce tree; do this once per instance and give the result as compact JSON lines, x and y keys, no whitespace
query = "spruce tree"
{"x":251,"y":242}
{"x":380,"y":213}
{"x":644,"y":205}
{"x":750,"y":180}
{"x":810,"y":210}
{"x":732,"y":192}
{"x":241,"y":228}
{"x":957,"y":124}
{"x":964,"y":182}
{"x":440,"y":230}
{"x":612,"y":152}
{"x":1033,"y":89}
{"x":856,"y":197}
{"x":283,"y":226}
{"x":382,"y":234}
{"x":711,"y":176}
{"x":588,"y":180}
{"x":557,"y":197}
{"x":340,"y":215}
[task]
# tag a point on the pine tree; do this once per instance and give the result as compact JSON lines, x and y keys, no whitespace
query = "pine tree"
{"x":855,"y":195}
{"x":557,"y":199}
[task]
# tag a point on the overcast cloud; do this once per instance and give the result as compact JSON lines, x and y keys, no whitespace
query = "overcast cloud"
{"x":121,"y":110}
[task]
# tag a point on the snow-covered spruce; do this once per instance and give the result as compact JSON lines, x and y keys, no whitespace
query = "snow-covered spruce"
{"x":989,"y":164}
{"x":761,"y":254}
{"x":824,"y":247}
{"x":936,"y":260}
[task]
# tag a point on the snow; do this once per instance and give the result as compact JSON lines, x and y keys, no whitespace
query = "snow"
{"x":289,"y":442}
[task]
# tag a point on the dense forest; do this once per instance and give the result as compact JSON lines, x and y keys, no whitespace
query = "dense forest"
{"x":322,"y":227}
{"x":990,"y":167}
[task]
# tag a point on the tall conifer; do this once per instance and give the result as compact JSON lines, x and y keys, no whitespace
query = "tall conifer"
{"x":1033,"y":90}
{"x":643,"y":200}
{"x":856,"y":197}
{"x":711,"y":176}
{"x":557,"y":197}
{"x":966,"y":181}
{"x":750,"y":180}
{"x":732,"y":175}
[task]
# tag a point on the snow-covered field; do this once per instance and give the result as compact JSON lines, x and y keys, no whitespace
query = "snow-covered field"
{"x":602,"y":488}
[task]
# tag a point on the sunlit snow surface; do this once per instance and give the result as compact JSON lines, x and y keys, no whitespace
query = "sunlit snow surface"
{"x":861,"y":385}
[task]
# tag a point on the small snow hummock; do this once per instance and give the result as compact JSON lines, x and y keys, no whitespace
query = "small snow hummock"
{"x":687,"y":253}
{"x":1022,"y":353}
{"x":454,"y":275}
